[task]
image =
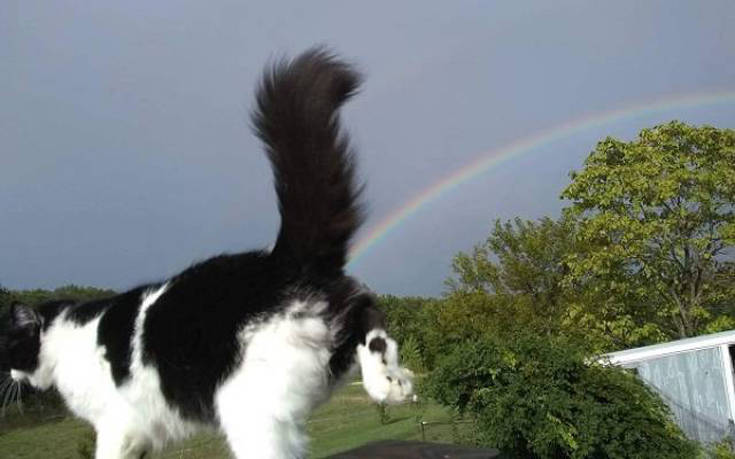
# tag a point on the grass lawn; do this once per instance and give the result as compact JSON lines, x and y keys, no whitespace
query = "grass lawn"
{"x":347,"y":421}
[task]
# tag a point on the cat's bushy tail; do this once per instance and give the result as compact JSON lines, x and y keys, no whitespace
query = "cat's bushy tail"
{"x":297,"y":119}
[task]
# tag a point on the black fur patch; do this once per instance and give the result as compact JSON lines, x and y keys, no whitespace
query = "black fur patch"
{"x":377,"y":345}
{"x":84,"y":312}
{"x":50,"y":310}
{"x":19,"y":346}
{"x":115,"y":330}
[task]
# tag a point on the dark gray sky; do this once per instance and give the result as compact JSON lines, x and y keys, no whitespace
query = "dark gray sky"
{"x":125,"y":153}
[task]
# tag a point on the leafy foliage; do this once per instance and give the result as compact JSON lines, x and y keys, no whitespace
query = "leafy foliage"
{"x":536,"y":397}
{"x":6,"y":298}
{"x":658,"y":217}
{"x":520,"y":278}
{"x":522,"y":264}
{"x":723,"y":449}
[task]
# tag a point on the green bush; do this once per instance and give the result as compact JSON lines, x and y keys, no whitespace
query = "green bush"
{"x":722,"y":450}
{"x":536,"y":397}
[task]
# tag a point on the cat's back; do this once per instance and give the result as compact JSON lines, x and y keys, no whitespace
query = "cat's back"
{"x":189,"y":333}
{"x":220,"y":294}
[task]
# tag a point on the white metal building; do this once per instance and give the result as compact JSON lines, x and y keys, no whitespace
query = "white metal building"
{"x":694,"y":376}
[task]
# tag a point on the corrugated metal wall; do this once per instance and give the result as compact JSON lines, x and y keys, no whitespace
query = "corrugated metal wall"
{"x":693,"y":385}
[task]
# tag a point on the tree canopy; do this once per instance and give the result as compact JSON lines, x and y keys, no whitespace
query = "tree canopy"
{"x":658,"y":218}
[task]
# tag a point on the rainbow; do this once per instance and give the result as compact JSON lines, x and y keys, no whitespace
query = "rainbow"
{"x":494,"y":158}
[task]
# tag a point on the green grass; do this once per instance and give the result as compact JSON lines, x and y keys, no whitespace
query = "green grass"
{"x":347,"y":421}
{"x":49,"y":440}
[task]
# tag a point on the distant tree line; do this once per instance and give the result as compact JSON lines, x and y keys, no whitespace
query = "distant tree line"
{"x":34,"y":297}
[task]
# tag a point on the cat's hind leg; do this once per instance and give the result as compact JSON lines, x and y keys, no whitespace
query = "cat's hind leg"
{"x":114,"y":442}
{"x":263,"y":405}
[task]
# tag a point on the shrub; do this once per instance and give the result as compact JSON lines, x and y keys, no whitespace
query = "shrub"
{"x":722,"y":450}
{"x":536,"y":397}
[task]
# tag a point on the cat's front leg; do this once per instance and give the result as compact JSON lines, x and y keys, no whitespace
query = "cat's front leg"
{"x":382,"y":376}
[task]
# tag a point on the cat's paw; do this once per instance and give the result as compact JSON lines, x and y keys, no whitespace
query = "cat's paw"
{"x":383,"y":379}
{"x":391,"y":386}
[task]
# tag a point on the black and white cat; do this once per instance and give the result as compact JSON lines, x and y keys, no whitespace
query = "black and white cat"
{"x":247,"y":343}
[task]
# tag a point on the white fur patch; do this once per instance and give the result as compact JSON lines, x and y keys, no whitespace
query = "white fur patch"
{"x":156,"y":422}
{"x":71,"y":359}
{"x":383,"y":379}
{"x":263,"y":405}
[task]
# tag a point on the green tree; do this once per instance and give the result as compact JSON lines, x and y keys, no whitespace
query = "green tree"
{"x":657,"y":216}
{"x":6,"y":298}
{"x":517,"y":276}
{"x":520,"y":277}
